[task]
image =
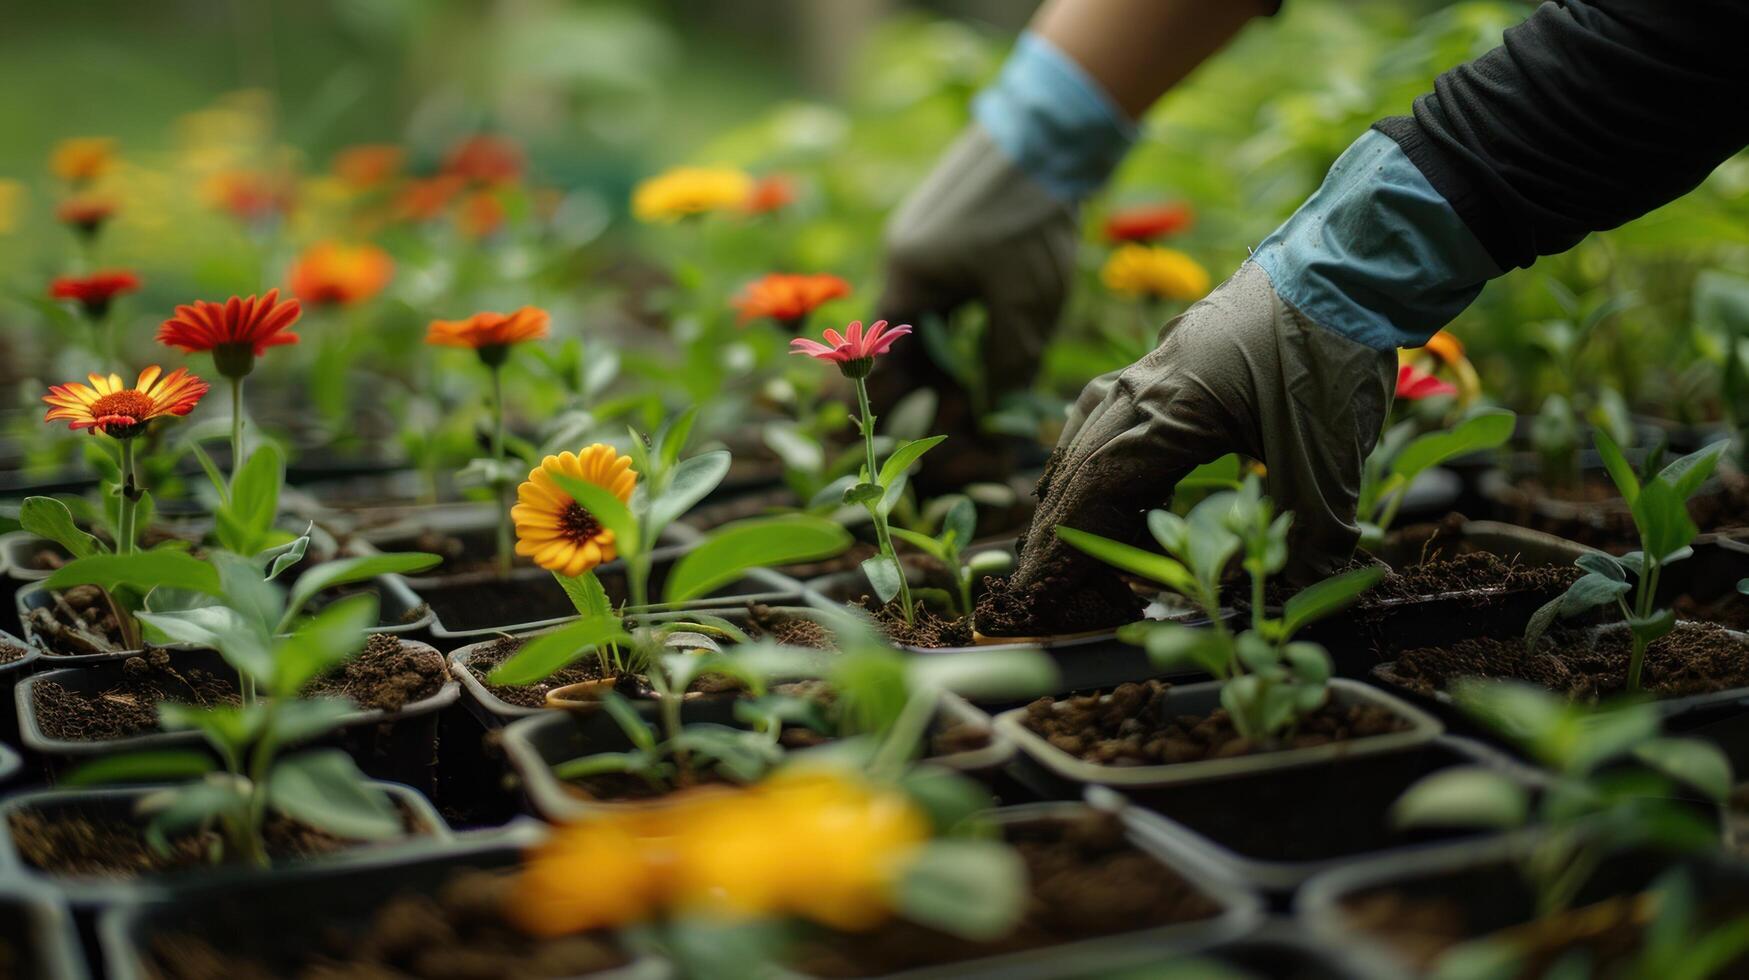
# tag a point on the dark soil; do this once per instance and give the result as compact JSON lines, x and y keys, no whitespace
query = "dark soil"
{"x":10,"y":652}
{"x":1104,"y":602}
{"x":384,"y":676}
{"x":78,"y":621}
{"x":457,"y":933}
{"x":794,"y":631}
{"x":70,"y":843}
{"x":1608,"y":525}
{"x":927,"y":629}
{"x":1129,"y":728}
{"x":1730,"y":610}
{"x":1086,"y":881}
{"x":485,"y":658}
{"x":1474,"y":571}
{"x":1695,"y":659}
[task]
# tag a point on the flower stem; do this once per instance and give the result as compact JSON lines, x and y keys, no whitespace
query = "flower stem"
{"x":882,"y":537}
{"x":130,"y":492}
{"x":236,"y":428}
{"x":498,"y":484}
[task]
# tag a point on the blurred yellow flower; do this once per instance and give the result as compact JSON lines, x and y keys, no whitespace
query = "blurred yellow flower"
{"x":83,"y":159}
{"x":690,"y":190}
{"x":11,"y":205}
{"x":1160,"y":273}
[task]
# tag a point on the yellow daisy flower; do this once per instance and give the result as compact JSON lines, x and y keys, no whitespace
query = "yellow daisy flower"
{"x":556,"y":531}
{"x":690,"y":190}
{"x":1161,"y":273}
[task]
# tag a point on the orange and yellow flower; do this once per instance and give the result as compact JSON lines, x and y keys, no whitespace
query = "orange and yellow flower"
{"x":82,"y":160}
{"x":1154,"y":272}
{"x":491,"y":335}
{"x":329,"y":273}
{"x":686,"y":191}
{"x":552,"y":528}
{"x":236,"y":331}
{"x":109,"y":407}
{"x":788,"y":298}
{"x":368,"y":166}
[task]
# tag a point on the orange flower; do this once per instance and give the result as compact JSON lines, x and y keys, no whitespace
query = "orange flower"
{"x":332,"y":273}
{"x":426,"y":198}
{"x":1445,"y":346}
{"x":85,"y":215}
{"x":1148,"y":222}
{"x":480,"y":214}
{"x":771,"y":193}
{"x":96,"y":291}
{"x":788,"y":298}
{"x":484,"y":159}
{"x":236,"y":331}
{"x":249,"y":195}
{"x":82,"y":160}
{"x":121,"y":412}
{"x":490,"y":334}
{"x":368,"y":166}
{"x":560,"y":534}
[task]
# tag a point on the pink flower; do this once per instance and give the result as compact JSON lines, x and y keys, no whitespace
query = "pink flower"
{"x":1415,"y":384}
{"x":854,"y":352}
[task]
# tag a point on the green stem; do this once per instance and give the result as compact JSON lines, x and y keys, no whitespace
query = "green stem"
{"x":902,"y":739}
{"x":1642,"y":611}
{"x":130,"y":493}
{"x":499,"y":488}
{"x":236,"y":428}
{"x":882,"y":537}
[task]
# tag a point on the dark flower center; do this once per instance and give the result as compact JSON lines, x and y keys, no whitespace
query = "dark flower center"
{"x":578,"y":524}
{"x":123,"y":413}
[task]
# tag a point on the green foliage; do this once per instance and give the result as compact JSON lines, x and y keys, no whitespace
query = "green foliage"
{"x":729,"y":551}
{"x":1396,"y":462}
{"x":49,"y":518}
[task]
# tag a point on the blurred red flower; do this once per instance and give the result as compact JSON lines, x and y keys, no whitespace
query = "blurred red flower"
{"x":1148,"y":222}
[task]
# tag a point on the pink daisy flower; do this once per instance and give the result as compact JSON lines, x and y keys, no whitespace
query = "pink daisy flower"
{"x":853,"y":351}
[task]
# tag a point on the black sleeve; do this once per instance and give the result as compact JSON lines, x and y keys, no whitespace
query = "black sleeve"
{"x":1589,"y":114}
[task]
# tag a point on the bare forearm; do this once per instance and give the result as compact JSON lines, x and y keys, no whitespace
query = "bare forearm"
{"x":1137,"y":49}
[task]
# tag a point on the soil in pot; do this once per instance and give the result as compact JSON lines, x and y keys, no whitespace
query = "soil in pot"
{"x":79,"y":620}
{"x":10,"y":652}
{"x":1086,"y":881}
{"x":794,"y":631}
{"x":928,"y":629}
{"x":67,"y":842}
{"x":457,"y":931}
{"x":1730,"y":610}
{"x":384,"y":676}
{"x":1130,"y":727}
{"x":1697,"y":658}
{"x":1612,"y":528}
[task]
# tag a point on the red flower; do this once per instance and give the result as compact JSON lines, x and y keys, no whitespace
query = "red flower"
{"x":788,"y":298}
{"x":236,"y":331}
{"x":853,"y":351}
{"x":85,"y":214}
{"x":95,"y":291}
{"x":769,"y":194}
{"x":425,"y":198}
{"x":1149,"y":222}
{"x":120,"y":412}
{"x":484,"y":160}
{"x":1414,"y":384}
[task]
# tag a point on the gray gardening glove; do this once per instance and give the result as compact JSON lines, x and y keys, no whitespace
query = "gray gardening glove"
{"x":1240,"y":371}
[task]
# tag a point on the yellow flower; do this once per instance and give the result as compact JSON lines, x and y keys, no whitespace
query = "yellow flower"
{"x":1161,"y":273}
{"x":690,"y":190}
{"x":82,"y":160}
{"x":587,"y":875}
{"x":11,"y":205}
{"x":555,"y":530}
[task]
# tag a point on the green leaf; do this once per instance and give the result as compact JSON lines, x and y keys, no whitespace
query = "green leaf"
{"x":346,"y":571}
{"x":1662,"y":516}
{"x":904,"y":456}
{"x":323,"y":642}
{"x":1590,"y":591}
{"x":1486,"y":430}
{"x":588,"y":596}
{"x":212,"y":472}
{"x":797,"y":450}
{"x":230,"y":728}
{"x":325,"y":789}
{"x":1697,"y":763}
{"x":300,"y":719}
{"x":867,"y":494}
{"x":693,"y":480}
{"x":1329,"y":596}
{"x":142,"y":570}
{"x":49,"y":518}
{"x":1602,"y":564}
{"x":541,"y":656}
{"x":142,"y":767}
{"x":1129,"y":558}
{"x":726,"y":553}
{"x":922,"y":542}
{"x":1463,"y":796}
{"x":962,"y":520}
{"x":245,"y":520}
{"x":601,"y":503}
{"x":253,"y":597}
{"x":1255,"y":652}
{"x":642,"y":736}
{"x":1541,"y":620}
{"x":1654,"y":626}
{"x":974,"y":889}
{"x":1309,"y":661}
{"x":985,"y":675}
{"x":671,"y":438}
{"x":277,"y":560}
{"x":912,"y":416}
{"x":244,"y":645}
{"x":883,"y":576}
{"x":1685,"y":475}
{"x":1173,"y":646}
{"x":189,"y":806}
{"x":1617,"y":464}
{"x":604,"y":762}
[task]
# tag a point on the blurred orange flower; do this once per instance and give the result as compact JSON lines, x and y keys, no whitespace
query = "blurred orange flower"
{"x":96,"y":291}
{"x":82,"y":160}
{"x":251,"y":195}
{"x":423,"y":199}
{"x":480,"y":214}
{"x":1148,"y":222}
{"x":771,"y":193}
{"x":484,"y":159}
{"x":788,"y":298}
{"x":368,"y":166}
{"x":329,"y":273}
{"x":114,"y":410}
{"x":490,"y":334}
{"x":85,"y":214}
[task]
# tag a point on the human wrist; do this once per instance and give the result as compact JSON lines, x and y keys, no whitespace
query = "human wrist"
{"x":1053,"y":120}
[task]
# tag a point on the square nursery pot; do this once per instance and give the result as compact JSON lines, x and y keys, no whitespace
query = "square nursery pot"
{"x":399,"y":612}
{"x":1704,"y":586}
{"x":1394,"y":911}
{"x":400,"y":746}
{"x":536,"y":744}
{"x":37,"y":935}
{"x":118,"y":802}
{"x":1043,"y":764}
{"x":18,"y":660}
{"x":1274,"y":830}
{"x":1239,"y":914}
{"x":278,"y":919}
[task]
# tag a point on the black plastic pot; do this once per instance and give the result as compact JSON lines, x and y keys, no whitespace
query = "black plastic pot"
{"x":87,"y":892}
{"x":537,"y":743}
{"x":1281,"y":951}
{"x":399,"y":746}
{"x":1605,"y":524}
{"x":1276,"y":829}
{"x":10,"y":674}
{"x":36,"y":929}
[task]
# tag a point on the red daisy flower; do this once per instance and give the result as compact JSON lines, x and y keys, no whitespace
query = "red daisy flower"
{"x":236,"y":331}
{"x":96,"y":291}
{"x":1148,"y":222}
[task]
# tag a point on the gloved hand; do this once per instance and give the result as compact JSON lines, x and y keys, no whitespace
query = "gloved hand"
{"x":1291,"y":361}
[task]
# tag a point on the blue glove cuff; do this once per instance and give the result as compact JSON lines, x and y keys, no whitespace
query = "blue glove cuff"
{"x":1377,"y":255}
{"x":1053,"y":120}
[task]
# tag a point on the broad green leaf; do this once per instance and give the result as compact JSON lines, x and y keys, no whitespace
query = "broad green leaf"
{"x":606,"y":508}
{"x":541,"y":656}
{"x":904,"y":456}
{"x":974,"y":889}
{"x":922,"y":542}
{"x":1463,"y":796}
{"x":1128,"y":558}
{"x":230,"y":728}
{"x":867,"y":494}
{"x":253,"y":597}
{"x":1173,"y":646}
{"x":1654,"y":626}
{"x":245,"y":519}
{"x":883,"y":576}
{"x":671,"y":438}
{"x":1602,"y":564}
{"x":1486,"y":430}
{"x":693,"y":480}
{"x":796,"y":450}
{"x":949,"y":798}
{"x":297,"y":720}
{"x":985,"y":675}
{"x":588,"y":596}
{"x":1541,"y":620}
{"x":186,"y":807}
{"x":1324,"y":598}
{"x":962,"y":520}
{"x":1698,"y":763}
{"x":142,"y":570}
{"x":346,"y":571}
{"x":321,"y":643}
{"x":163,"y":765}
{"x":1662,"y":516}
{"x":1685,"y":475}
{"x":324,"y":788}
{"x":1617,"y":465}
{"x":1309,"y":662}
{"x":1590,"y":591}
{"x":1254,"y":651}
{"x":49,"y":518}
{"x":912,"y":416}
{"x":244,"y":645}
{"x":726,"y":553}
